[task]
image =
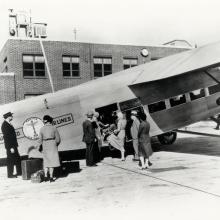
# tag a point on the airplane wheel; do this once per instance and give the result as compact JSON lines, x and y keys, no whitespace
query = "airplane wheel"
{"x":167,"y":138}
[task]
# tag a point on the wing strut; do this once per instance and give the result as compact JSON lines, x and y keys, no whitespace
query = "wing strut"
{"x":211,"y":76}
{"x":198,"y":133}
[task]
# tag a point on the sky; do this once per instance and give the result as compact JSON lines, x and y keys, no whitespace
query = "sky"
{"x":132,"y":22}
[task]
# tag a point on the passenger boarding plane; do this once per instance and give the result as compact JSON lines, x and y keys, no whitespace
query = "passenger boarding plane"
{"x":174,"y":91}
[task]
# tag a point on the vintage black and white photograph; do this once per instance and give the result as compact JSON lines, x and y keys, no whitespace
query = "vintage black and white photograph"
{"x":110,"y":109}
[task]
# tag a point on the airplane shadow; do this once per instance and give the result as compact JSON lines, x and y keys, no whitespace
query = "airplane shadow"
{"x":192,"y":145}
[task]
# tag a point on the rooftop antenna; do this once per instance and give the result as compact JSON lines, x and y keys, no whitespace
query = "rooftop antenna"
{"x":75,"y":31}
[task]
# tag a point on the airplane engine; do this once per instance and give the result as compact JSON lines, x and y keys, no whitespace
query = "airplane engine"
{"x":167,"y":138}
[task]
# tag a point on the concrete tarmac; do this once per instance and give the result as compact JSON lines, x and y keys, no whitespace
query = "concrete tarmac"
{"x":183,"y":183}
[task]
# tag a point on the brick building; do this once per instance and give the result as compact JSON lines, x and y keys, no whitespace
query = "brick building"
{"x":24,"y":74}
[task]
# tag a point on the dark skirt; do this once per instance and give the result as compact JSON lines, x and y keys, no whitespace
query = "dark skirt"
{"x":144,"y":149}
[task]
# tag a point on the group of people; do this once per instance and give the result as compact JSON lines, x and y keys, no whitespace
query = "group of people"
{"x":93,"y":127}
{"x":139,"y":130}
{"x":49,"y":139}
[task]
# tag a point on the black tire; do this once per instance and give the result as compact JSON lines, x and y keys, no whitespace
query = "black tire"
{"x":167,"y":138}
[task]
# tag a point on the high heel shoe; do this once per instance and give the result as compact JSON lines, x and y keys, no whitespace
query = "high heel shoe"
{"x":142,"y":168}
{"x":52,"y":180}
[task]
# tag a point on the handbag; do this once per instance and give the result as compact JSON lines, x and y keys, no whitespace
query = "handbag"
{"x":37,"y":177}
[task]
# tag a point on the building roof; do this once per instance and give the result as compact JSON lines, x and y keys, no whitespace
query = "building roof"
{"x":184,"y":62}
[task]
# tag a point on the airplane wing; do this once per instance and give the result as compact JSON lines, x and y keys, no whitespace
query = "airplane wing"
{"x":171,"y":76}
{"x":196,"y":59}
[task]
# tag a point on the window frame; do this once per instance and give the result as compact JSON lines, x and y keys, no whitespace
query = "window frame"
{"x":34,"y":69}
{"x":194,"y":97}
{"x":177,"y":100}
{"x":213,"y":89}
{"x":130,"y":64}
{"x":31,"y":95}
{"x":156,"y":104}
{"x":71,"y":70}
{"x":103,"y":65}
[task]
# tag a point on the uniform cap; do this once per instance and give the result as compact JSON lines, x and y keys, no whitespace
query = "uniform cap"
{"x":8,"y":114}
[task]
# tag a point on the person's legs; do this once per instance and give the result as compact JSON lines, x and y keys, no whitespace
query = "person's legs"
{"x":147,"y":162}
{"x":51,"y":169}
{"x":18,"y":164}
{"x":135,"y":146}
{"x":142,"y":162}
{"x":123,"y":155}
{"x":46,"y":173}
{"x":89,"y":154}
{"x":10,"y":165}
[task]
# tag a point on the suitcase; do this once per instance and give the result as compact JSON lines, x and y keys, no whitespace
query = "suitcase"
{"x":30,"y":166}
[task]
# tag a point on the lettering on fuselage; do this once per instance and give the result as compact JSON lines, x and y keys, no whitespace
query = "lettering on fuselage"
{"x":63,"y":120}
{"x":31,"y":126}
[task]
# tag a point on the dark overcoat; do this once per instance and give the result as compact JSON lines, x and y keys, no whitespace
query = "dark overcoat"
{"x":88,"y":132}
{"x":9,"y":136}
{"x":10,"y":140}
{"x":89,"y":138}
{"x":144,"y":143}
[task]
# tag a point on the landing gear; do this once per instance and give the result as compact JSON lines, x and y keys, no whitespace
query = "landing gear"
{"x":167,"y":138}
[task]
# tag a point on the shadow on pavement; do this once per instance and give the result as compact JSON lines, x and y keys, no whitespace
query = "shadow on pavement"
{"x":192,"y":145}
{"x":160,"y":170}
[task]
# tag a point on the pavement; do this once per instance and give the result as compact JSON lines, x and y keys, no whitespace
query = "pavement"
{"x":182,"y":183}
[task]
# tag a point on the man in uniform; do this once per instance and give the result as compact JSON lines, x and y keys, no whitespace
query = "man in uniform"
{"x":11,"y":146}
{"x":89,"y":138}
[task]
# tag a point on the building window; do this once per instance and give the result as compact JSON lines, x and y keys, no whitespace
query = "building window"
{"x":157,"y":106}
{"x":70,"y":66}
{"x":27,"y":96}
{"x":177,"y":100}
{"x":129,"y":62}
{"x":33,"y":66}
{"x":102,"y":66}
{"x":214,"y":89}
{"x":197,"y":94}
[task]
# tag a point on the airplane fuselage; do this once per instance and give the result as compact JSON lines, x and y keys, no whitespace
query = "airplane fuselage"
{"x":68,"y":106}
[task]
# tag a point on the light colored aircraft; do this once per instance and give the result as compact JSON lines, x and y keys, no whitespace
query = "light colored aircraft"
{"x":174,"y":91}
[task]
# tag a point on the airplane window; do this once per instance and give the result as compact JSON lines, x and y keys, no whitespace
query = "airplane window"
{"x":214,"y":89}
{"x":177,"y":100}
{"x":196,"y":94}
{"x":130,"y":104}
{"x":158,"y":106}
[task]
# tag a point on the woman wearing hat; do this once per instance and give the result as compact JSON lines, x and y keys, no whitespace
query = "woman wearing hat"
{"x":50,"y":139}
{"x":117,"y":139}
{"x":144,"y":142}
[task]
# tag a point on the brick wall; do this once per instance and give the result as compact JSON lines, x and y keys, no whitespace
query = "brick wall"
{"x":15,"y":48}
{"x":7,"y":88}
